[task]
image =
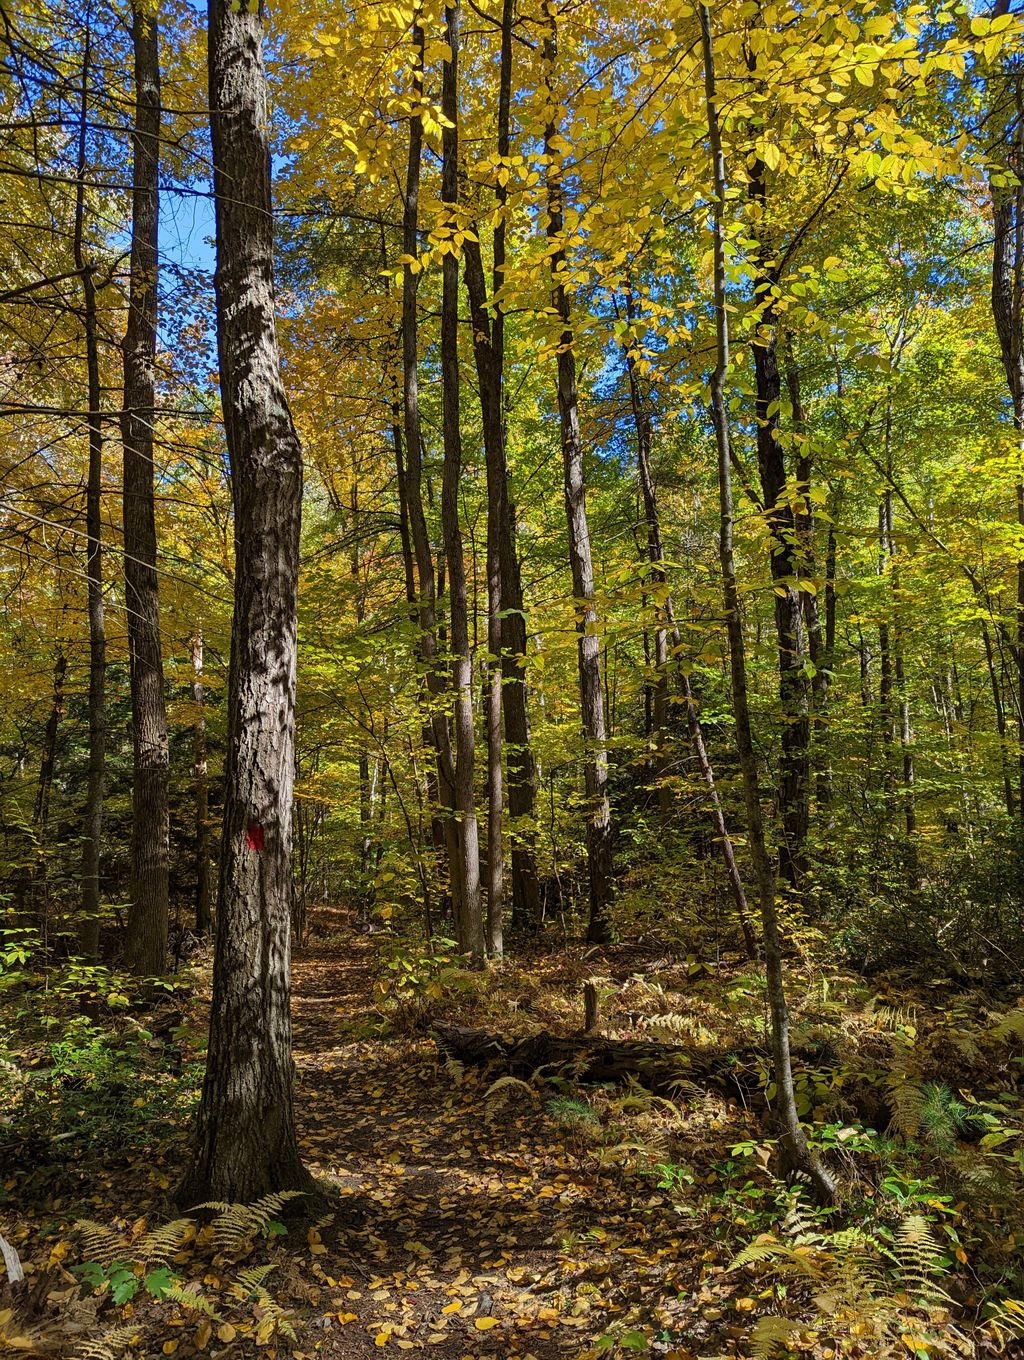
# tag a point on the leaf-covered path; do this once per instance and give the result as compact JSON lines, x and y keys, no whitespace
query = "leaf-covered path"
{"x":467,"y":1226}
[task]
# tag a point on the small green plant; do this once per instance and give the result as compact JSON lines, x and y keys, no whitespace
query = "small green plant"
{"x":414,"y":978}
{"x":572,"y":1113}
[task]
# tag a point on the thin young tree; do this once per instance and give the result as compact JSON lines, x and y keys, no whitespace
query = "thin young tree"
{"x":89,"y":926}
{"x":436,"y":719}
{"x":245,"y":1144}
{"x":472,"y":933}
{"x":146,"y":944}
{"x":796,"y":1153}
{"x":506,"y":628}
{"x":600,"y":861}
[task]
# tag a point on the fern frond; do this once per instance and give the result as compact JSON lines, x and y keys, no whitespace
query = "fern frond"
{"x":505,"y":1083}
{"x":1010,"y":1026}
{"x":190,"y":1296}
{"x":108,"y":1346}
{"x":99,"y":1241}
{"x":1007,"y":1319}
{"x":251,"y":1279}
{"x":771,"y":1336}
{"x":454,"y":1069}
{"x":235,"y":1225}
{"x":908,"y":1103}
{"x":161,"y":1243}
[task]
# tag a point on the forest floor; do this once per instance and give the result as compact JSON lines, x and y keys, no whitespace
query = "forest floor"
{"x":470,"y":1225}
{"x":468,"y":1216}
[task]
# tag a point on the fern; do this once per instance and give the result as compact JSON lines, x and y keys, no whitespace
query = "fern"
{"x":908,"y":1104}
{"x":236,"y":1225}
{"x":506,"y":1084}
{"x":454,"y":1069}
{"x":1006,"y":1319}
{"x":771,"y":1337}
{"x":1010,"y":1026}
{"x":160,"y":1244}
{"x":99,"y":1242}
{"x":862,"y":1290}
{"x":108,"y":1346}
{"x":190,"y":1296}
{"x":250,"y":1281}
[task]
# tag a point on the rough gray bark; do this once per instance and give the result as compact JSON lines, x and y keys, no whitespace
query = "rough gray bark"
{"x":245,"y":1142}
{"x":592,"y":708}
{"x":92,"y":831}
{"x":796,"y":1153}
{"x":471,"y":937}
{"x":146,"y":943}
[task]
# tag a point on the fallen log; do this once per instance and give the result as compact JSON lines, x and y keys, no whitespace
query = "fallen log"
{"x":664,"y":1069}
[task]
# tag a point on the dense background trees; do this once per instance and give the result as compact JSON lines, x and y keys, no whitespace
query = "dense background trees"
{"x":491,"y":246}
{"x":536,"y":476}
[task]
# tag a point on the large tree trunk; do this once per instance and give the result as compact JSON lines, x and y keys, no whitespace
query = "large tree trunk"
{"x":245,"y":1139}
{"x":599,"y":818}
{"x":146,"y":944}
{"x":796,"y":1153}
{"x":89,"y":926}
{"x":471,"y":935}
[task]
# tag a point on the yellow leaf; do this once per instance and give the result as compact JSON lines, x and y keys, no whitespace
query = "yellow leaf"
{"x":382,"y":1338}
{"x":169,"y":1347}
{"x":485,"y":1324}
{"x":745,"y":1305}
{"x":225,"y":1332}
{"x":203,"y":1333}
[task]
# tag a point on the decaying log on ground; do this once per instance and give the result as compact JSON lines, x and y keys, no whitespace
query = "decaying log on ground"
{"x":664,"y":1069}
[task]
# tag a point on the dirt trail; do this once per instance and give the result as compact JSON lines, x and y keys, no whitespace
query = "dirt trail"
{"x":466,"y":1227}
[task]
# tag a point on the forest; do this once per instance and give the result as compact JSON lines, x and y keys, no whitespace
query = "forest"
{"x":512,"y":655}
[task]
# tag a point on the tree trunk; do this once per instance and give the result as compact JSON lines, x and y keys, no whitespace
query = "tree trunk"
{"x":471,"y":938}
{"x":200,"y":769}
{"x":245,"y":1139}
{"x":656,"y":555}
{"x":796,"y":1153}
{"x":146,"y":943}
{"x":47,"y":765}
{"x":785,"y":569}
{"x":599,"y":819}
{"x":422,"y":552}
{"x":816,"y":643}
{"x":506,"y":618}
{"x":1008,"y":314}
{"x":89,"y":927}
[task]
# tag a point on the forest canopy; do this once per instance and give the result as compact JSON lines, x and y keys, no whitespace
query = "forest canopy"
{"x":512,"y":549}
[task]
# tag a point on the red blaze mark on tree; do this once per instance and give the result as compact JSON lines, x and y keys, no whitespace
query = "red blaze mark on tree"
{"x":254,"y":836}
